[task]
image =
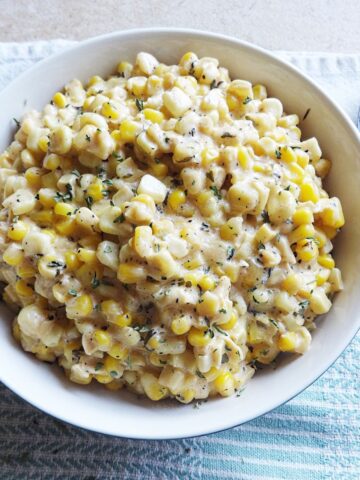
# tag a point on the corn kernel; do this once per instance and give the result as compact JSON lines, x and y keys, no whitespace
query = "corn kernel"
{"x":208,"y":305}
{"x":105,"y":379}
{"x":227,"y":232}
{"x":259,"y":92}
{"x":322,"y":276}
{"x":156,"y":392}
{"x":13,"y":255}
{"x":302,"y":158}
{"x":46,"y":197}
{"x":192,"y":278}
{"x":43,"y":143}
{"x":198,"y":338}
{"x":153,"y":116}
{"x":159,"y":170}
{"x":303,"y":231}
{"x":287,"y":154}
{"x":130,"y":272}
{"x":86,"y":255}
{"x":333,"y":216}
{"x":128,"y":131}
{"x":95,"y":190}
{"x":25,"y":270}
{"x":244,"y":158}
{"x":302,"y":216}
{"x":33,"y":176}
{"x":307,"y":249}
{"x":124,"y":69}
{"x":71,"y":260}
{"x":292,"y":283}
{"x":118,"y":351}
{"x":65,"y":226}
{"x":287,"y":342}
{"x":296,"y":173}
{"x":186,"y":396}
{"x":122,"y":320}
{"x":102,"y":338}
{"x":59,"y":99}
{"x":83,"y":305}
{"x":63,"y":209}
{"x":209,"y":156}
{"x":192,"y":264}
{"x":308,"y":193}
{"x":326,"y":261}
{"x":176,"y":199}
{"x":43,"y":217}
{"x":224,"y":384}
{"x":52,"y":161}
{"x":17,"y":231}
{"x":23,"y":289}
{"x":111,"y":364}
{"x":206,"y":283}
{"x":231,"y":322}
{"x":109,"y":111}
{"x":181,"y":325}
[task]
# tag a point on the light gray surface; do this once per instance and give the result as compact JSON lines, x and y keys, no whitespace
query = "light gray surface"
{"x":310,"y":25}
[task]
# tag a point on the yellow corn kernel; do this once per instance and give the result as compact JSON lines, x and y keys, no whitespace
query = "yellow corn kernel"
{"x":297,"y":173}
{"x":192,"y":279}
{"x":204,"y":202}
{"x":95,"y":190}
{"x":130,"y":272}
{"x":232,"y":272}
{"x":156,"y":392}
{"x":153,"y":116}
{"x":105,"y":379}
{"x":43,"y":143}
{"x":46,"y":197}
{"x":110,"y":307}
{"x":303,"y":231}
{"x":122,"y":320}
{"x":13,"y":255}
{"x":329,"y":232}
{"x":33,"y":176}
{"x":109,"y":111}
{"x":224,"y":384}
{"x":208,"y":305}
{"x":83,"y":305}
{"x":49,"y":180}
{"x":192,"y":264}
{"x":206,"y":283}
{"x":307,"y":249}
{"x":302,"y":216}
{"x":259,"y":92}
{"x":292,"y":283}
{"x":59,"y":99}
{"x":322,"y":276}
{"x":156,"y":359}
{"x":17,"y":231}
{"x":52,"y":161}
{"x":176,"y":199}
{"x":181,"y":325}
{"x":65,"y":227}
{"x":198,"y":338}
{"x":302,"y":158}
{"x":287,"y":342}
{"x":124,"y":69}
{"x":265,"y":233}
{"x":227,"y":232}
{"x":16,"y":331}
{"x":287,"y":154}
{"x":308,"y":193}
{"x":43,"y":217}
{"x":71,"y":260}
{"x":63,"y":209}
{"x":260,"y":168}
{"x":23,"y":289}
{"x":244,"y":158}
{"x":114,"y":386}
{"x":209,"y":156}
{"x":333,"y":216}
{"x":111,"y":364}
{"x":128,"y":131}
{"x":231,"y":322}
{"x":212,"y":374}
{"x":186,"y":396}
{"x":86,"y":255}
{"x":118,"y":351}
{"x":25,"y":270}
{"x":326,"y":261}
{"x":153,"y":342}
{"x":159,"y":170}
{"x":102,"y":338}
{"x":94,"y":80}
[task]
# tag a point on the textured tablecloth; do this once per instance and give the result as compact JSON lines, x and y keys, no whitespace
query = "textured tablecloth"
{"x":315,"y":436}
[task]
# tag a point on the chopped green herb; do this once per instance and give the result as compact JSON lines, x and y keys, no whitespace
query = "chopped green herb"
{"x":225,"y":358}
{"x":56,"y":264}
{"x":216,"y":192}
{"x":89,"y":201}
{"x":230,"y":251}
{"x":76,"y":173}
{"x":95,"y":282}
{"x":113,"y":374}
{"x":222,"y":310}
{"x":99,"y":366}
{"x":246,"y":100}
{"x":140,"y":104}
{"x":227,"y":135}
{"x":119,"y":219}
{"x":261,"y":246}
{"x":17,"y":122}
{"x":87,"y":137}
{"x":73,"y":292}
{"x":199,"y":374}
{"x":265,"y":216}
{"x":278,"y":153}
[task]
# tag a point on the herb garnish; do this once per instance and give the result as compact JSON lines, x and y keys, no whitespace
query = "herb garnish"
{"x":216,"y":192}
{"x":140,"y":104}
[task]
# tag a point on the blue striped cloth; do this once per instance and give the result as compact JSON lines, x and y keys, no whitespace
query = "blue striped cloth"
{"x":315,"y":436}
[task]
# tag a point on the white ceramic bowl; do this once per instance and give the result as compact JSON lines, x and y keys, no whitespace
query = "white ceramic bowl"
{"x":121,"y":413}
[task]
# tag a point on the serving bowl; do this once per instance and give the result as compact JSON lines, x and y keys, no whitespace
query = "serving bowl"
{"x":122,"y":413}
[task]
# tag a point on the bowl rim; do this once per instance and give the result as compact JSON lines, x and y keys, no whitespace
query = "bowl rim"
{"x":269,"y":55}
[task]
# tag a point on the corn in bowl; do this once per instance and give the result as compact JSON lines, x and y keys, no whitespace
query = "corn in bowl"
{"x":166,"y":230}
